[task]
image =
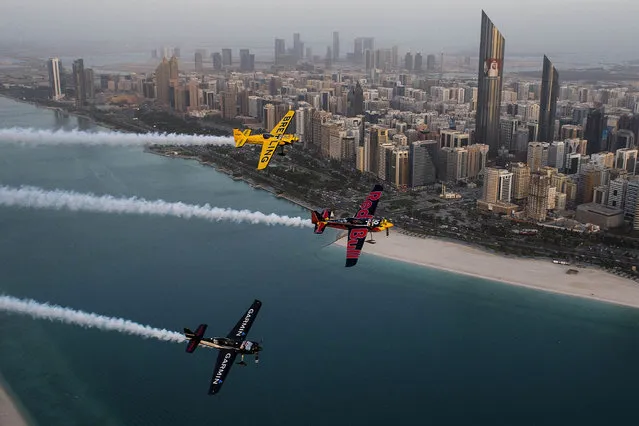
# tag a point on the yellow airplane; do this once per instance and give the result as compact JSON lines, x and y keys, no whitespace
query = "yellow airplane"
{"x":269,"y":141}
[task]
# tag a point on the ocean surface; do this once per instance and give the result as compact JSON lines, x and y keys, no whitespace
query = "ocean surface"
{"x":383,"y":343}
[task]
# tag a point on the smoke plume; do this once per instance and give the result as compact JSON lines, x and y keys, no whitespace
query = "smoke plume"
{"x":28,"y":136}
{"x":58,"y":199}
{"x":49,"y":312}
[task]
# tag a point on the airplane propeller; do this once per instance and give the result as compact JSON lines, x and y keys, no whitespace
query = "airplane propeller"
{"x":257,"y":354}
{"x":387,"y":231}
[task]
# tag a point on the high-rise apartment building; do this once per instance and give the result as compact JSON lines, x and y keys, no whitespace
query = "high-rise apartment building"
{"x":399,"y":173}
{"x":476,"y":164}
{"x":79,"y":81}
{"x":556,"y":155}
{"x":89,"y":84}
{"x":408,"y":61}
{"x":335,"y":46}
{"x":199,"y":63}
{"x":491,"y":66}
{"x":537,"y":155}
{"x":162,"y":78}
{"x":508,"y":132}
{"x":548,"y":104}
{"x":298,"y":47}
{"x":537,"y":206}
{"x":521,"y":181}
{"x":418,"y":62}
{"x":423,"y":163}
{"x":216,"y":58}
{"x":626,"y":159}
{"x":55,"y":90}
{"x":595,"y":126}
{"x":227,"y":57}
{"x":430,"y":63}
{"x":355,"y":101}
{"x":378,"y":136}
{"x":497,"y":185}
{"x":361,"y":45}
{"x":228,"y":104}
{"x":247,"y":60}
{"x":280,"y":50}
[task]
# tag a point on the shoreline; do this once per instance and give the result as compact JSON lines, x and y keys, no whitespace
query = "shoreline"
{"x":11,"y":411}
{"x":542,"y":275}
{"x":487,"y":268}
{"x":229,"y":173}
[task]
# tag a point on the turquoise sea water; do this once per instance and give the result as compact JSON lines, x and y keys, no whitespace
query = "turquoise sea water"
{"x":383,"y":343}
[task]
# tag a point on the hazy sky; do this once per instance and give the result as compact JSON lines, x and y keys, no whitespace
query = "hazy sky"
{"x":535,"y":26}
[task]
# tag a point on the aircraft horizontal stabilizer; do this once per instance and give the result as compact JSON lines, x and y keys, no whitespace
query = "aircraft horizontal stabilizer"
{"x":319,"y":221}
{"x":241,"y":137}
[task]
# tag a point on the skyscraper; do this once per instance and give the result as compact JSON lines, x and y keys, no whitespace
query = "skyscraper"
{"x":78,"y":79}
{"x":537,"y":206}
{"x":335,"y":46}
{"x":328,"y":60}
{"x":548,"y":104}
{"x":247,"y":60}
{"x":423,"y":163}
{"x":298,"y":46}
{"x":55,"y":91}
{"x":430,"y":63}
{"x":199,"y":64}
{"x":595,"y":126}
{"x":162,"y":77}
{"x":491,"y":66}
{"x":89,"y":84}
{"x":355,"y":101}
{"x":361,"y":45}
{"x":227,"y":57}
{"x":216,"y":58}
{"x":280,"y":50}
{"x":408,"y":61}
{"x":417,"y":63}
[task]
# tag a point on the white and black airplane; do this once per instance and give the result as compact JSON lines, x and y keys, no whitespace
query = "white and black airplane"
{"x":231,"y":345}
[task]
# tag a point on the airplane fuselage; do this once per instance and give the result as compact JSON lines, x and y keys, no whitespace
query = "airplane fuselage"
{"x":265,"y":138}
{"x":245,"y":347}
{"x":373,"y":224}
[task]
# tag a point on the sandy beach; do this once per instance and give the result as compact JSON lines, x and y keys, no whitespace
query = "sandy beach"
{"x":9,"y":414}
{"x":590,"y":282}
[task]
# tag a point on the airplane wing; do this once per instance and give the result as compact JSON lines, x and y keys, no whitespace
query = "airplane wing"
{"x":356,"y":239}
{"x":368,"y":207}
{"x":280,"y":128}
{"x":225,"y":360}
{"x":243,"y":326}
{"x":268,"y":150}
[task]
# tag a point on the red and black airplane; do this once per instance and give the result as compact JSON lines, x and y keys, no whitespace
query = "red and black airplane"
{"x":358,"y":226}
{"x":231,"y":345}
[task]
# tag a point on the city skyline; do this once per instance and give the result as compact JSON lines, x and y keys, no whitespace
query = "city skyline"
{"x":556,"y":37}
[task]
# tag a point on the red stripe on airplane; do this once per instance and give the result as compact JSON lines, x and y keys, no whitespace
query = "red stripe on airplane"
{"x":364,"y":212}
{"x":351,"y":251}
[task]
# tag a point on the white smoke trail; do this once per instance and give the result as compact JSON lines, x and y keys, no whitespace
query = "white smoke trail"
{"x":84,"y":319}
{"x":40,"y":199}
{"x":28,"y":136}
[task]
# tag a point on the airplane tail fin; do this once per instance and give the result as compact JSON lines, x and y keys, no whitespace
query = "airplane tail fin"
{"x":319,"y":220}
{"x":194,"y":338}
{"x":240,"y":137}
